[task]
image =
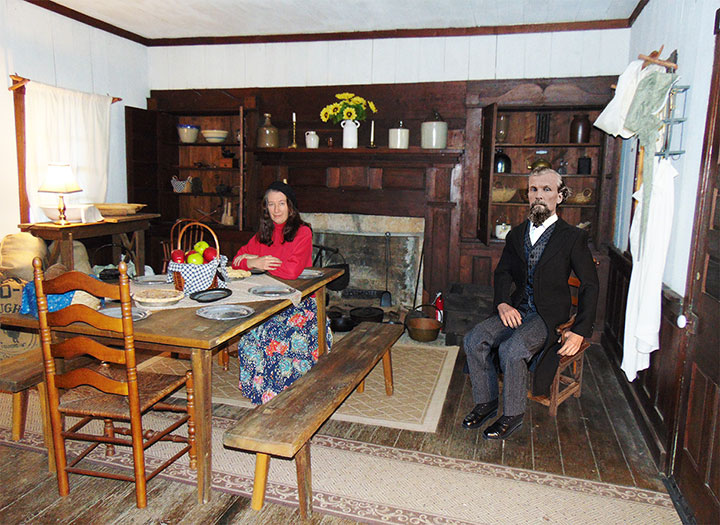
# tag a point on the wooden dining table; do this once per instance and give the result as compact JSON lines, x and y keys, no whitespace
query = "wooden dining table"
{"x":181,"y":331}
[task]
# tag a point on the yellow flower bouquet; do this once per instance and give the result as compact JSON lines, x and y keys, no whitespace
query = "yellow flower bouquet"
{"x":348,"y":107}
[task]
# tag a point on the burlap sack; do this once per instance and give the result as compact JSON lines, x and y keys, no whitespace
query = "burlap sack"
{"x":17,"y":251}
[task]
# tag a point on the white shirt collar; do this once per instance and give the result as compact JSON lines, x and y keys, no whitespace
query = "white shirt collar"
{"x":537,"y":231}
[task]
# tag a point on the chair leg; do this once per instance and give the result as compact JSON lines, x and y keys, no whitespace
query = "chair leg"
{"x":47,"y":427}
{"x":361,"y":387}
{"x":19,"y":414}
{"x":554,"y":392}
{"x":190,"y":389}
{"x":578,"y":371}
{"x":138,"y":461}
{"x":224,"y":358}
{"x":57,"y":424}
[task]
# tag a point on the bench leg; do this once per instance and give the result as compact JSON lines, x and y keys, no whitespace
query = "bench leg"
{"x":19,"y":414}
{"x":304,"y":480}
{"x":47,"y":429}
{"x":387,"y":369}
{"x":262,"y":463}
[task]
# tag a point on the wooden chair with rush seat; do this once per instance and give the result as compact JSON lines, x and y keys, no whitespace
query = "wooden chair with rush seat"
{"x":109,"y":388}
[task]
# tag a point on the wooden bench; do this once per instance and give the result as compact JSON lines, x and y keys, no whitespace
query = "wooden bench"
{"x":283,"y":426}
{"x":18,"y":374}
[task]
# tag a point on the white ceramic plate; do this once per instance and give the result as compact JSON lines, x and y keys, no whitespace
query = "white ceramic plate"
{"x":271,"y":291}
{"x":309,"y":273}
{"x":137,"y":315}
{"x":225,"y":312}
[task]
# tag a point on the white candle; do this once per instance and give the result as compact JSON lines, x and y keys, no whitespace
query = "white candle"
{"x":293,"y":116}
{"x":372,"y":131}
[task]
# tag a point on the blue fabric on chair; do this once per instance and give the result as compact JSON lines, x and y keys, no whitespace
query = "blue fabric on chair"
{"x":55,"y":302}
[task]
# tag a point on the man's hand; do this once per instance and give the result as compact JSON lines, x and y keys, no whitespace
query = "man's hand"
{"x":572,"y":344}
{"x":509,"y":316}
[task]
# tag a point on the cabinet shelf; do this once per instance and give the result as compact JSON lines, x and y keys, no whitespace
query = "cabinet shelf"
{"x":203,"y":144}
{"x":546,"y":145}
{"x":192,"y":168}
{"x":572,"y":175}
{"x":525,"y":204}
{"x":201,"y":194}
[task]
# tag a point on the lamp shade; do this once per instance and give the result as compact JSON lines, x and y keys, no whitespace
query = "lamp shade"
{"x":60,"y":179}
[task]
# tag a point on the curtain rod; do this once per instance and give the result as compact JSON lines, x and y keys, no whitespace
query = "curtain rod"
{"x":19,"y":82}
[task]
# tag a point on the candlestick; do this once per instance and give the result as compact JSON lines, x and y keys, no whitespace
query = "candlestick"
{"x":372,"y":134}
{"x":294,"y":144}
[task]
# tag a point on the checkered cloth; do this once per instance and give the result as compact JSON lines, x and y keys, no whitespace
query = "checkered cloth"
{"x":199,"y":277}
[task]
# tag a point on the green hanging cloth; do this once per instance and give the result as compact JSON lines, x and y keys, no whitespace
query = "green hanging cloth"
{"x":645,"y":119}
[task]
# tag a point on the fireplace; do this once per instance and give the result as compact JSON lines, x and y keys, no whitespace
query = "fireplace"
{"x":361,"y":241}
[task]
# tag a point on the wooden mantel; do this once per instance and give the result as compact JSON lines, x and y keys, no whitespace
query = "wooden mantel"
{"x":358,"y":156}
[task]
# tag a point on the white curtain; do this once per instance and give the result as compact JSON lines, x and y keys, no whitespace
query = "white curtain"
{"x":68,"y":127}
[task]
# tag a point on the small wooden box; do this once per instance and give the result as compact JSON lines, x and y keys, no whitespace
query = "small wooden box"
{"x":228,"y":163}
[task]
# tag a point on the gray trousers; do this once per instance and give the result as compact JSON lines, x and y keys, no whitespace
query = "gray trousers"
{"x":515,"y":348}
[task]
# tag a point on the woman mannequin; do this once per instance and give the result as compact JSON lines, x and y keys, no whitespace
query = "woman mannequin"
{"x":278,"y":352}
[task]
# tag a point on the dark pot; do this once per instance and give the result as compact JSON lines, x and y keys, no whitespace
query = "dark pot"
{"x":340,"y":322}
{"x":341,"y":282}
{"x":367,"y":313}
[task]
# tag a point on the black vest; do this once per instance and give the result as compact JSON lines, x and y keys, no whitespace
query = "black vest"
{"x":533,"y":252}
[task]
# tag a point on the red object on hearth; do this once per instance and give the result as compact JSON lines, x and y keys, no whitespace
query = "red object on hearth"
{"x":439,"y":304}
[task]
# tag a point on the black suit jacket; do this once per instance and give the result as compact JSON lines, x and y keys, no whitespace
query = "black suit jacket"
{"x":567,"y":250}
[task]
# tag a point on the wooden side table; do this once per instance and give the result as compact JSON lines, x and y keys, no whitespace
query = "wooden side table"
{"x":126,"y":230}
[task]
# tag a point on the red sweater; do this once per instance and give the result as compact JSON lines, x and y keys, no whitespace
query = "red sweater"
{"x":295,"y":255}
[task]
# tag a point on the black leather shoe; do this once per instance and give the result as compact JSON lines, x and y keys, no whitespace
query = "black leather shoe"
{"x":481,"y":413}
{"x":503,"y":427}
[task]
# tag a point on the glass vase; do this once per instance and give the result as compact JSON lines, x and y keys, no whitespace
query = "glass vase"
{"x":267,"y":134}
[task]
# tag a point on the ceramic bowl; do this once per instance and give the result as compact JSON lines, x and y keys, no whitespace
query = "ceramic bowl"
{"x":188,"y":133}
{"x":214,"y":135}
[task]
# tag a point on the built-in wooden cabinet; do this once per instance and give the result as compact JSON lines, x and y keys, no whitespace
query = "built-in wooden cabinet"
{"x":502,"y":196}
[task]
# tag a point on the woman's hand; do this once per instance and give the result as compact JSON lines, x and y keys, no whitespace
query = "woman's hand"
{"x":265,"y":263}
{"x":239,"y":258}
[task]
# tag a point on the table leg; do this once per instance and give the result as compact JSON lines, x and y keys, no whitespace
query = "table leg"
{"x":66,"y":252}
{"x":387,"y":370}
{"x":322,"y":321}
{"x":202,"y":376}
{"x":139,"y":238}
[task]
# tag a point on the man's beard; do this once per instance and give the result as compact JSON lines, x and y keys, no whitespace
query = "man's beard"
{"x":539,"y":213}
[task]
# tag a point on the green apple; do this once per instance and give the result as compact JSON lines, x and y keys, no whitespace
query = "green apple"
{"x":195,"y":258}
{"x":200,"y":246}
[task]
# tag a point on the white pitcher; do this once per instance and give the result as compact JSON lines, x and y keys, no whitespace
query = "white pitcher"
{"x":312,"y":141}
{"x":350,"y":128}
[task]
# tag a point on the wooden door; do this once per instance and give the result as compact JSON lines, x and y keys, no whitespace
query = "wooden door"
{"x":697,"y":459}
{"x":487,"y":167}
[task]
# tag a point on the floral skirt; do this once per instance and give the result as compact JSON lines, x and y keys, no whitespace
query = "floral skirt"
{"x":280,"y":351}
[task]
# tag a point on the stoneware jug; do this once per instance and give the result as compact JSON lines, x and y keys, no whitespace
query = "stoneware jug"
{"x":398,"y":138}
{"x":312,"y":141}
{"x":350,"y":128}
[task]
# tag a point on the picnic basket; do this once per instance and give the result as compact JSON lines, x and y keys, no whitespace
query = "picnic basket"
{"x":191,"y":278}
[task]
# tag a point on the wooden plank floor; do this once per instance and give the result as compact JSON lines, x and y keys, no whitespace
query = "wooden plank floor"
{"x":594,"y":437}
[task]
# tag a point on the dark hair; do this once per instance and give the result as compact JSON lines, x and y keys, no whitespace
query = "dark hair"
{"x":563,"y":189}
{"x":292,"y":225}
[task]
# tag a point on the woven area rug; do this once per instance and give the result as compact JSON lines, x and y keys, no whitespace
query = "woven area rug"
{"x":421,"y":375}
{"x":377,"y":484}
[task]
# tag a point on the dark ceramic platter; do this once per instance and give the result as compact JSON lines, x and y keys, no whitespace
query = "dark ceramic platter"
{"x":208,"y":296}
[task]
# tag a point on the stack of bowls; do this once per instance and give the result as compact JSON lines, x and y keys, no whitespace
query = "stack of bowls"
{"x":188,"y":133}
{"x":214,"y":135}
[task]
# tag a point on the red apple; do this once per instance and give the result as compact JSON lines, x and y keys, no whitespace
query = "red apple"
{"x":209,"y":254}
{"x":177,"y":256}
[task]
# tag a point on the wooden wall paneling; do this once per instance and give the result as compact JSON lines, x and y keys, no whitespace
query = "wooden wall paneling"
{"x":487,"y":162}
{"x":141,"y":157}
{"x":471,"y":174}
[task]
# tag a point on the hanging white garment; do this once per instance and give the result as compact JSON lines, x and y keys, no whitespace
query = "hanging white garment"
{"x":642,"y":315}
{"x":612,"y":118}
{"x":68,"y":127}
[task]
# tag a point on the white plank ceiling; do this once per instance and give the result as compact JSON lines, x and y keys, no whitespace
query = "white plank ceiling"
{"x":153,"y":19}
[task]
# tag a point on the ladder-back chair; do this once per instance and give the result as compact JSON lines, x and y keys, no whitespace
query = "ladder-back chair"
{"x":109,"y":389}
{"x":568,"y":377}
{"x":197,"y":231}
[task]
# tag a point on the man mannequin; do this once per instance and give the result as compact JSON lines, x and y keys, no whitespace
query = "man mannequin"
{"x":537,"y":259}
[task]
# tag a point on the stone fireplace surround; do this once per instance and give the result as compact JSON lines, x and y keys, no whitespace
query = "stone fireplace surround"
{"x":360,"y":240}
